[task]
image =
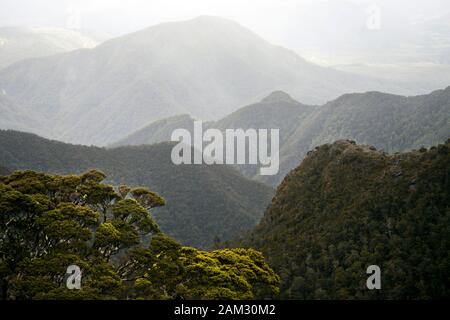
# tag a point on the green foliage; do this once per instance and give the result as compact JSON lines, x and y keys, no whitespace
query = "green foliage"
{"x":130,"y":211}
{"x":169,"y":270}
{"x":229,"y":274}
{"x":347,"y":207}
{"x":146,"y":198}
{"x":50,"y":222}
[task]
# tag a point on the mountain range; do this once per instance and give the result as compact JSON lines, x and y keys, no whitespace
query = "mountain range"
{"x":364,"y":173}
{"x":204,"y":203}
{"x":205,"y":67}
{"x":277,"y":110}
{"x":390,"y":122}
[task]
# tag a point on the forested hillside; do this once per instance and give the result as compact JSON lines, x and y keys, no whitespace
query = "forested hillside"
{"x":348,"y":206}
{"x":267,"y":150}
{"x":204,"y":203}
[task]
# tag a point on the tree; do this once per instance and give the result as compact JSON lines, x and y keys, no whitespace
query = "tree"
{"x":166,"y":269}
{"x":147,"y":198}
{"x":48,"y":222}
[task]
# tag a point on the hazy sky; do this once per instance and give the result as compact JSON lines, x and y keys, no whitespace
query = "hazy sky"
{"x":296,"y":24}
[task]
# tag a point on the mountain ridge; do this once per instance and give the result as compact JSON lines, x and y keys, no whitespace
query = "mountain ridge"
{"x":390,"y":122}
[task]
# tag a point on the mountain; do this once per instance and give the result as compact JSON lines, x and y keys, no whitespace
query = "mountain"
{"x":349,"y":206}
{"x":389,"y":122}
{"x":15,"y":116}
{"x":19,"y":43}
{"x":205,"y":67}
{"x":277,"y":110}
{"x":204,"y":203}
{"x":155,"y":132}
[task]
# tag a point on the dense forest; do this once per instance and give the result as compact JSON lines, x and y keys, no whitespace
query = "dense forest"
{"x":204,"y":203}
{"x":348,"y":206}
{"x":51,"y":222}
{"x":340,"y":135}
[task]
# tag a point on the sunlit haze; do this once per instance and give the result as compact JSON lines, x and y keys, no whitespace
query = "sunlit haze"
{"x":322,"y":30}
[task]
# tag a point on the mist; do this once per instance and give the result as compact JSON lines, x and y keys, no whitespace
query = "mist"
{"x":320,"y":30}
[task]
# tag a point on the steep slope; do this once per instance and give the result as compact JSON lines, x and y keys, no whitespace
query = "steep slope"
{"x":389,"y":122}
{"x":204,"y":67}
{"x":349,"y":206}
{"x":18,"y":43}
{"x":203,"y":202}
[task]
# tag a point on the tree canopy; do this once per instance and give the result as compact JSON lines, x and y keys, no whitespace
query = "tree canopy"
{"x":49,"y":222}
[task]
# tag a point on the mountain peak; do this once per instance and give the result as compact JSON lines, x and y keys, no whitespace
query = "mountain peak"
{"x":277,"y":96}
